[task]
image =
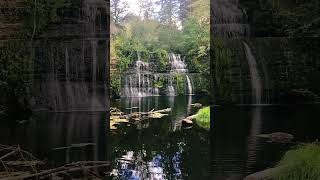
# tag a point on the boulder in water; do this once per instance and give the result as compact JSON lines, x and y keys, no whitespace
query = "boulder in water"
{"x":278,"y":137}
{"x":197,"y":105}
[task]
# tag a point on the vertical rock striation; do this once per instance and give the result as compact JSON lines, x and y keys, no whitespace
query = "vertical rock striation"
{"x":71,"y":60}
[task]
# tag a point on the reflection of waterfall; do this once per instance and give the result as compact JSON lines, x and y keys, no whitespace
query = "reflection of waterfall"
{"x":142,"y":80}
{"x":254,"y":73}
{"x":253,"y":143}
{"x":132,"y":166}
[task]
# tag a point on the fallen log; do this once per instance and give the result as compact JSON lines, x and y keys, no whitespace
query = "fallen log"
{"x":189,"y":119}
{"x":23,"y":165}
{"x":8,"y":154}
{"x":163,"y":111}
{"x":75,"y":146}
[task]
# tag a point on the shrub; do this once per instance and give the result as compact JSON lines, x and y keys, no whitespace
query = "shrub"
{"x":203,"y":118}
{"x":301,"y":163}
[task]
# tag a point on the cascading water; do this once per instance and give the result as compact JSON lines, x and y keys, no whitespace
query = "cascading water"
{"x":179,"y":66}
{"x":254,"y":73}
{"x":137,"y":81}
{"x":141,"y":79}
{"x":189,"y":84}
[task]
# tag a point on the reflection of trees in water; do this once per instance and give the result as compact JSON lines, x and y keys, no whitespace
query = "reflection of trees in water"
{"x":135,"y":165}
{"x":182,"y":152}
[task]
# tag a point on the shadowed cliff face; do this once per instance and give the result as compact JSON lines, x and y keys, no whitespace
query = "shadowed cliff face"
{"x":71,"y":60}
{"x":229,"y":20}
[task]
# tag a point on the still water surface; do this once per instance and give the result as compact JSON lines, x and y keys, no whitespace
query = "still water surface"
{"x":50,"y":136}
{"x":163,"y":148}
{"x":160,"y":148}
{"x":236,"y":151}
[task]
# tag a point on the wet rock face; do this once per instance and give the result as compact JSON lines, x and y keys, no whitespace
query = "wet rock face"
{"x":71,"y":60}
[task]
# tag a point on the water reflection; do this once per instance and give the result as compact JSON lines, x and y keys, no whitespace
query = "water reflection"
{"x":162,"y":149}
{"x":60,"y":137}
{"x":253,"y":141}
{"x":237,"y":151}
{"x":133,"y":166}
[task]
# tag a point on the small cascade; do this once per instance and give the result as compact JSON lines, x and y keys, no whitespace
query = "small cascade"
{"x":171,"y":91}
{"x":138,"y":81}
{"x":142,"y":80}
{"x":254,"y":73}
{"x":189,"y":84}
{"x":179,"y":66}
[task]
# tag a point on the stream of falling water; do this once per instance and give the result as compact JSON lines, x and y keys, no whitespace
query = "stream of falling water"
{"x":254,"y":73}
{"x":189,"y":85}
{"x":140,"y":81}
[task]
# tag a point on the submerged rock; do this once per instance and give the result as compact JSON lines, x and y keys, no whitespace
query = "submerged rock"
{"x":278,"y":137}
{"x":197,"y":105}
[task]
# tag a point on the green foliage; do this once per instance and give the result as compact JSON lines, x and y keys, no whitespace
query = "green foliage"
{"x":162,"y":57}
{"x":300,"y":163}
{"x":221,"y":70}
{"x":197,"y":45}
{"x":200,"y":84}
{"x":297,"y":20}
{"x":155,"y":39}
{"x":180,"y":80}
{"x":16,"y":57}
{"x":16,"y":68}
{"x":159,"y":83}
{"x":203,"y":118}
{"x":40,"y":13}
{"x":115,"y":82}
{"x":283,"y":17}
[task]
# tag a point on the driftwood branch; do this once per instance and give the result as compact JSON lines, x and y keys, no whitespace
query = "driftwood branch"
{"x":8,"y":154}
{"x":23,"y":165}
{"x":79,"y":166}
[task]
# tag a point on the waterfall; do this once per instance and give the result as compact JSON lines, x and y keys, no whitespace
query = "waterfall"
{"x":171,"y":88}
{"x":141,"y":80}
{"x":179,"y":66}
{"x":137,"y":81}
{"x":189,"y":85}
{"x":254,"y":73}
